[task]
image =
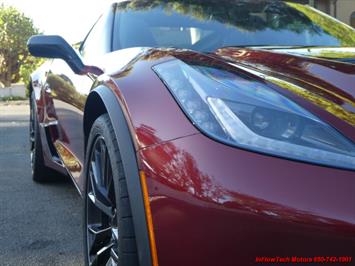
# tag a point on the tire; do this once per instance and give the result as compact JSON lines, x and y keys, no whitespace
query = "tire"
{"x":108,"y":223}
{"x":40,"y":173}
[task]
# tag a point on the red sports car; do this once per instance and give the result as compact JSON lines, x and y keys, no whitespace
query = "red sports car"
{"x":203,"y":132}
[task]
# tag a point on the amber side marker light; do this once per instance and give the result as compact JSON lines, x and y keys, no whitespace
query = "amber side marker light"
{"x":148,"y":214}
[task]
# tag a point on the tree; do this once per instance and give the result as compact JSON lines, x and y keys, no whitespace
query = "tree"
{"x":15,"y":29}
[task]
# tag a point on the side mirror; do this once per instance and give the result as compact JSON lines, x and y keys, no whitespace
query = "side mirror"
{"x":54,"y":46}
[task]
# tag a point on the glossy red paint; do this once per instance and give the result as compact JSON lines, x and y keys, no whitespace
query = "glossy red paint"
{"x":217,"y":205}
{"x":328,"y":81}
{"x":149,"y":107}
{"x":165,"y":122}
{"x":210,"y":203}
{"x":242,"y":201}
{"x":148,"y":104}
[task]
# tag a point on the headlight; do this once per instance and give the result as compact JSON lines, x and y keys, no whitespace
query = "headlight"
{"x":248,"y":114}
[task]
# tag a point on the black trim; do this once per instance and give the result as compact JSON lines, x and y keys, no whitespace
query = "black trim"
{"x":83,"y":41}
{"x":114,"y":14}
{"x":108,"y":17}
{"x":130,"y":167}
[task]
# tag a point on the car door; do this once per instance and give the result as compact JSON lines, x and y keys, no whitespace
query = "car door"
{"x":67,"y":93}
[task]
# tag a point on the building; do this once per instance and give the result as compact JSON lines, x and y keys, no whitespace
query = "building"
{"x":343,"y":10}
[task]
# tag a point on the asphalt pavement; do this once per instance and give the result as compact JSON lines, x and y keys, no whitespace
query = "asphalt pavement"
{"x":40,"y":224}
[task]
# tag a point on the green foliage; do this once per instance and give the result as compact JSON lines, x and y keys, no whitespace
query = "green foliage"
{"x":31,"y":64}
{"x":15,"y":29}
{"x":341,"y":31}
{"x":336,"y":54}
{"x":12,"y":98}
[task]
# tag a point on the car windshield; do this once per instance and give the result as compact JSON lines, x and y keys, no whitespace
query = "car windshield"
{"x":211,"y":24}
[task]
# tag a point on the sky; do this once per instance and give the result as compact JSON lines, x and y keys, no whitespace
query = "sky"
{"x":72,"y":19}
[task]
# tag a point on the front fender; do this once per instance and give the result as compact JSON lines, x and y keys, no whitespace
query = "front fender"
{"x":103,"y":99}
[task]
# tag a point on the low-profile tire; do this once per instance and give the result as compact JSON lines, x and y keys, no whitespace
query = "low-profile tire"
{"x":40,"y":173}
{"x":109,"y":237}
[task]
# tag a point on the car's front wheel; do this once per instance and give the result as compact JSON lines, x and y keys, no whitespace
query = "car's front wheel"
{"x":109,"y":237}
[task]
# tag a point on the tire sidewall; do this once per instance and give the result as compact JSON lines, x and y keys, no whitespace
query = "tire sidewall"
{"x":37,"y":168}
{"x":99,"y":128}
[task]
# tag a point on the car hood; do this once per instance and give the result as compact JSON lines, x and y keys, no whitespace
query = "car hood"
{"x":325,"y":87}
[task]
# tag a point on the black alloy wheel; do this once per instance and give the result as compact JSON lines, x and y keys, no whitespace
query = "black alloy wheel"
{"x":102,"y":230}
{"x":109,"y":234}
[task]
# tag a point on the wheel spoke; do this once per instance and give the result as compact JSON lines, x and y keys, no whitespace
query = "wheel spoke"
{"x":95,"y":170}
{"x":114,"y":256}
{"x":111,"y":262}
{"x":110,"y":184}
{"x":115,"y":233}
{"x":103,"y":163}
{"x":101,"y":202}
{"x":32,"y":127}
{"x":99,"y":194}
{"x":103,"y":255}
{"x":32,"y":133}
{"x":99,"y":236}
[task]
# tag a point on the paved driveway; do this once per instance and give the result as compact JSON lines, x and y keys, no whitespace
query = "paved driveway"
{"x":39,"y":224}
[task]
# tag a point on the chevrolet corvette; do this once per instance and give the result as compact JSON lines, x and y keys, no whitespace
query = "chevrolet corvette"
{"x":203,"y":132}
